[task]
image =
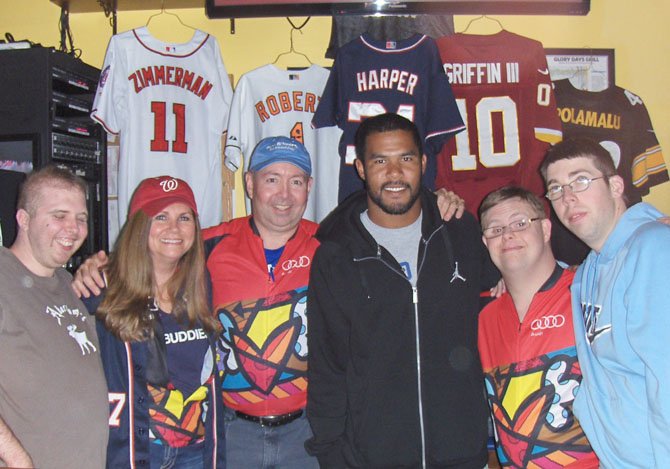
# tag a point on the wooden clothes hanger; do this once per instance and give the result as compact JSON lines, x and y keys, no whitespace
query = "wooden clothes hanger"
{"x":292,"y":49}
{"x":484,"y":17}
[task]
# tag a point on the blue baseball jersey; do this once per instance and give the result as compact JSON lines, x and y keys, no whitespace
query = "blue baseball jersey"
{"x":372,"y":77}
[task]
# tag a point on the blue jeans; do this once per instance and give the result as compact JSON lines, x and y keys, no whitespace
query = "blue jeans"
{"x":166,"y":457}
{"x":249,"y":445}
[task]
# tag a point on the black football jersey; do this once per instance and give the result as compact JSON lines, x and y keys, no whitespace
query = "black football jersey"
{"x":619,"y":121}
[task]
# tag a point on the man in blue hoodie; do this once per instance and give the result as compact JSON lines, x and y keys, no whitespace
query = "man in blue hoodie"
{"x":620,"y":307}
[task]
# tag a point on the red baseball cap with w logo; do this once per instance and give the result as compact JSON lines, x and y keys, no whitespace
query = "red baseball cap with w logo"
{"x":154,"y":194}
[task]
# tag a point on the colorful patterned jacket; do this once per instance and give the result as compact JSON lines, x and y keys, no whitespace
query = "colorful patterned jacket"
{"x":263,"y":347}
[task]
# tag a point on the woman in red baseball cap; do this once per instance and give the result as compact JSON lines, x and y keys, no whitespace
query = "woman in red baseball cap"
{"x":157,"y":336}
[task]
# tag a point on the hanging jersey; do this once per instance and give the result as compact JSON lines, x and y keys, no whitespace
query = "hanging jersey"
{"x":170,"y":105}
{"x":619,"y":121}
{"x":372,"y":77}
{"x":503,"y":90}
{"x":269,"y":102}
{"x":532,"y":376}
{"x":346,"y":28}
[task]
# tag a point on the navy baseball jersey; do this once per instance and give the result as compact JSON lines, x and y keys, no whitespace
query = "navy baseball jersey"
{"x":503,"y":90}
{"x":372,"y":77}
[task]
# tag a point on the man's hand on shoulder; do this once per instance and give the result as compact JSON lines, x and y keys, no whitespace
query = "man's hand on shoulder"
{"x":499,"y":290}
{"x":88,"y":280}
{"x":449,"y":204}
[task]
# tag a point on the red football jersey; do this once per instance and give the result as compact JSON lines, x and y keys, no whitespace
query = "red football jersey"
{"x":503,"y":90}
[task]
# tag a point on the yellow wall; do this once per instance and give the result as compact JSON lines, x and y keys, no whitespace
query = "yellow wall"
{"x":636,"y":29}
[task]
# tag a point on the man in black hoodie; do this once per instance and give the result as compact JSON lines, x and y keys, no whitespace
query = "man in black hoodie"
{"x":394,"y":374}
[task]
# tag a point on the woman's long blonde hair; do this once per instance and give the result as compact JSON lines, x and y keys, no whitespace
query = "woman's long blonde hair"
{"x":130,"y":280}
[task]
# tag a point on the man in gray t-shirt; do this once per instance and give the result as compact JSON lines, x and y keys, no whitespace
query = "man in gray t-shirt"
{"x":53,"y":397}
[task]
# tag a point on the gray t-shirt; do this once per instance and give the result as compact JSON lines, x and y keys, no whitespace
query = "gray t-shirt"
{"x":53,"y":394}
{"x":402,"y":243}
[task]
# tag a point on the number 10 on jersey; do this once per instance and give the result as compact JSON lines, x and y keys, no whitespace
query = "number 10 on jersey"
{"x":494,"y":116}
{"x":490,"y":113}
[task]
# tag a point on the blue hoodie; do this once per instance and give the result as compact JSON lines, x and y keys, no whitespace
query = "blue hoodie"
{"x":621,"y":310}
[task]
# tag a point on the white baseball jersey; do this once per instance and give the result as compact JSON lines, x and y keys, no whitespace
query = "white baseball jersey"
{"x":270,"y":102}
{"x":169,"y":103}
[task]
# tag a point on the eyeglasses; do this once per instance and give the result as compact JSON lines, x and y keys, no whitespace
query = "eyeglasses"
{"x":519,"y":225}
{"x":580,"y":184}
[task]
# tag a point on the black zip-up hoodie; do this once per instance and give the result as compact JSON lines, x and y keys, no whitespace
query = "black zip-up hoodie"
{"x":366,"y":403}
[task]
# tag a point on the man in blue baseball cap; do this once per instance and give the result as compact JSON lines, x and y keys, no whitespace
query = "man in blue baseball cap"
{"x":259,"y":269}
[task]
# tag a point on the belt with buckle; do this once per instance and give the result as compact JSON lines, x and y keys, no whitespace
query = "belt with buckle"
{"x":271,"y":420}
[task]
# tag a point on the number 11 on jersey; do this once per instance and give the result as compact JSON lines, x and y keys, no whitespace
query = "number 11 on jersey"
{"x":160,"y":142}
